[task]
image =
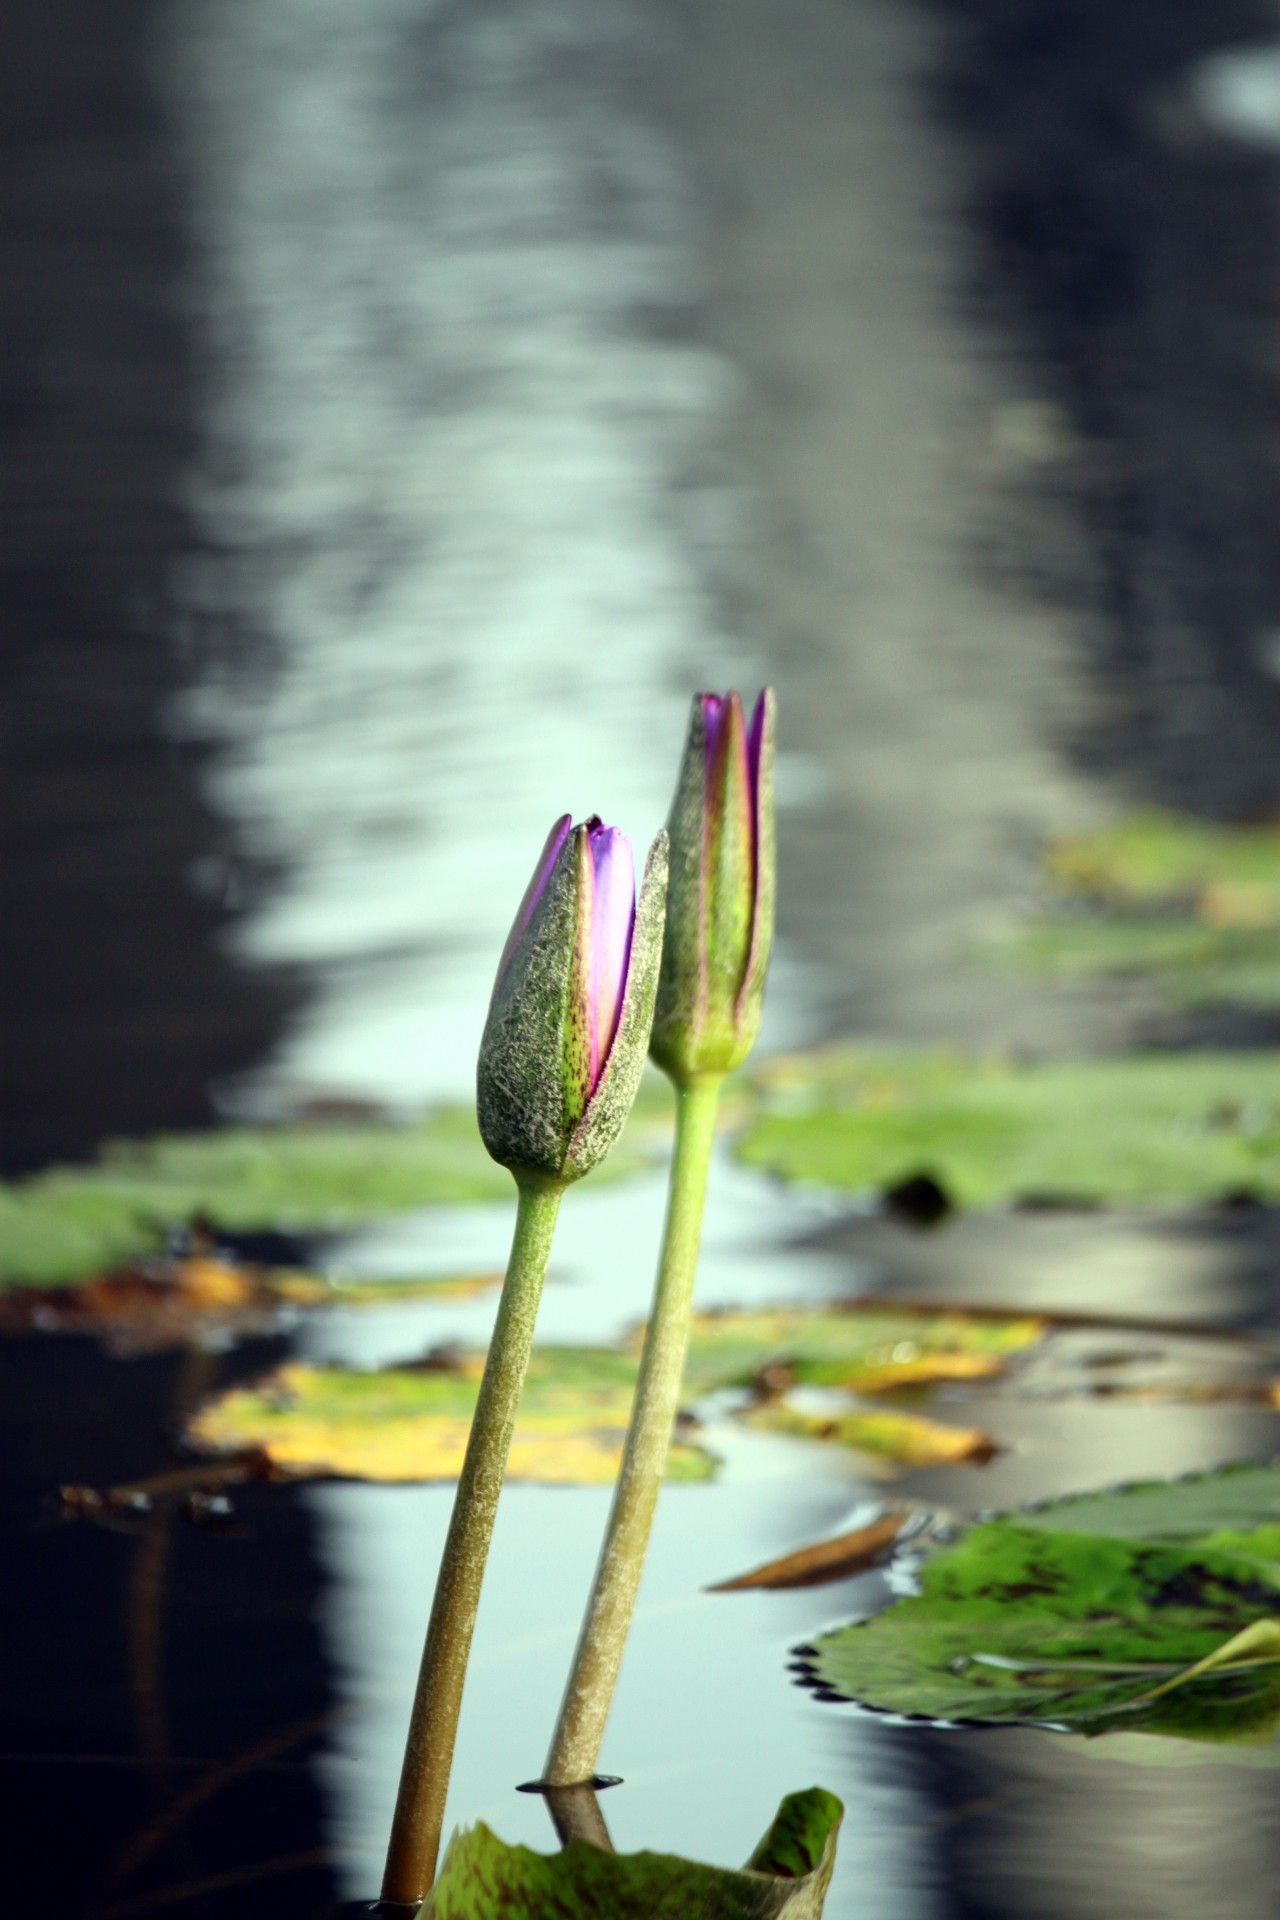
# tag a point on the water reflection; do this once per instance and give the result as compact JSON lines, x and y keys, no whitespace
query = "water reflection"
{"x":1029,"y":1823}
{"x":452,"y":464}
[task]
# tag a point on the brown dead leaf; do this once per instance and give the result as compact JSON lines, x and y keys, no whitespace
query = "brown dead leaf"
{"x":824,"y":1560}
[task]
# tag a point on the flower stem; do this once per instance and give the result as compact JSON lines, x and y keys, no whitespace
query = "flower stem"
{"x":433,"y":1725}
{"x":575,"y":1745}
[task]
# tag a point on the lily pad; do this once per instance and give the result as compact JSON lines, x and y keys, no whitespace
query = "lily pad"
{"x":412,"y":1423}
{"x":1237,"y":1500}
{"x":910,"y":1439}
{"x":154,"y":1304}
{"x":866,"y":1349}
{"x":1141,"y":1126}
{"x":1017,"y":1625}
{"x":60,"y":1225}
{"x":1151,"y":1608}
{"x":1154,"y":857}
{"x":786,"y":1877}
{"x":1191,"y":963}
{"x":1187,"y":904}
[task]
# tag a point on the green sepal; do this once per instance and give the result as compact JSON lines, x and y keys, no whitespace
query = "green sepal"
{"x":719,"y":923}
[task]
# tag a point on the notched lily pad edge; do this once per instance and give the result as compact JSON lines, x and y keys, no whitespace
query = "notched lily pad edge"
{"x":908,"y":1556}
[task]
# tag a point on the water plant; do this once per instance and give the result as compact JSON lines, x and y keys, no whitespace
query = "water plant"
{"x":719,"y":932}
{"x":560,"y":1061}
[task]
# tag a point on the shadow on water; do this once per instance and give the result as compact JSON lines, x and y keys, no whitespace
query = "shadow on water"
{"x":1128,"y":248}
{"x":120,"y":1004}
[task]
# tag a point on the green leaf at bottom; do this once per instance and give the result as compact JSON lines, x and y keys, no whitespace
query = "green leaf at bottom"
{"x":785,"y":1879}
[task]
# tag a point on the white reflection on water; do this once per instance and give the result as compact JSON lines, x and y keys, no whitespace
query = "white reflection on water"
{"x":456,"y":490}
{"x":457,"y":483}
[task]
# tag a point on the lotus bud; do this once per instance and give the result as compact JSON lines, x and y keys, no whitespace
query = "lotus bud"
{"x":720,"y":894}
{"x":568,"y":1028}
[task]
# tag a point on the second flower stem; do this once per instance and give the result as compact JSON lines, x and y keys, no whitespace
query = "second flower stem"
{"x":433,"y":1725}
{"x":575,"y":1746}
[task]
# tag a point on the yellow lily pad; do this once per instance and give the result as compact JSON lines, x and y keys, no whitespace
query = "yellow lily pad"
{"x":908,"y":1439}
{"x":866,"y":1349}
{"x":407,"y":1424}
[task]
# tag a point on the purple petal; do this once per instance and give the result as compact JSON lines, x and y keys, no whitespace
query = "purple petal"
{"x":613,"y":918}
{"x":755,"y":740}
{"x":534,"y":891}
{"x":713,"y":709}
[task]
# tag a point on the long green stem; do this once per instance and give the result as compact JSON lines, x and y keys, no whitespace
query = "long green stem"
{"x":575,"y":1746}
{"x":433,"y":1725}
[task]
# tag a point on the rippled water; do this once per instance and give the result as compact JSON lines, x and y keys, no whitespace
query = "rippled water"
{"x":449,"y":483}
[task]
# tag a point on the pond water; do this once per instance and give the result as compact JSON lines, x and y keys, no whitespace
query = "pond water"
{"x":411,"y":404}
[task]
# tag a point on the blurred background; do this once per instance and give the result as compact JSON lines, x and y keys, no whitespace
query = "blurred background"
{"x":405,"y":406}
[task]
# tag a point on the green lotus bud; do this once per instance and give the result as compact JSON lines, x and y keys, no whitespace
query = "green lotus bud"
{"x":564,"y":1045}
{"x":720,"y":894}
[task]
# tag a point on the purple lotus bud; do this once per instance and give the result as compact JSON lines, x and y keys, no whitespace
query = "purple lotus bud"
{"x":568,"y":1026}
{"x":720,"y":895}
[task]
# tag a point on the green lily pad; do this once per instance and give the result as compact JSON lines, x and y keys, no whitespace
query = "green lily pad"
{"x":786,"y":1877}
{"x":1181,"y":1126}
{"x":412,"y":1423}
{"x":1154,"y":1608}
{"x":1237,"y":1500}
{"x":1190,"y":906}
{"x":1154,"y":857}
{"x":66,"y":1223}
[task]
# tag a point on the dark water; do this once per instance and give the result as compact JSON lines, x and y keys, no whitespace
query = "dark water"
{"x":403,"y":407}
{"x":1129,"y":250}
{"x":165,"y":1688}
{"x":120,"y":1002}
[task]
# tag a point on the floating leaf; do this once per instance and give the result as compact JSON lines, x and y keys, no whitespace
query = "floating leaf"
{"x":1191,"y":905}
{"x":1015,"y":1624}
{"x":60,"y":1225}
{"x":785,"y":1879}
{"x":1154,"y":1607}
{"x":1193,"y":963}
{"x":1154,"y":858}
{"x":159,"y":1303}
{"x":909,"y":1439}
{"x":1237,"y":1500}
{"x":826,"y":1560}
{"x":867,"y":1349}
{"x":412,"y":1423}
{"x":1178,"y":1126}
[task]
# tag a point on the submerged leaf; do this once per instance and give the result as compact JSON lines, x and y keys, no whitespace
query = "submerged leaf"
{"x":785,"y":1879}
{"x":412,"y":1424}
